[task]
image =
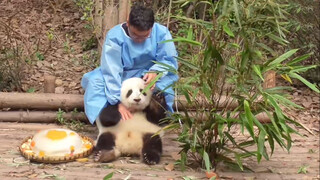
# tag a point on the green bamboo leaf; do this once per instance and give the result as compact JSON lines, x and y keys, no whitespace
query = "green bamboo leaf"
{"x":239,"y":161}
{"x":302,"y":69}
{"x":244,"y":60}
{"x":220,"y":131}
{"x":230,"y":138}
{"x":152,"y":83}
{"x":286,"y":77}
{"x":108,"y":176}
{"x":248,"y":113}
{"x":247,"y":125}
{"x":190,"y":33}
{"x":227,"y":30}
{"x":185,"y":40}
{"x":202,"y":23}
{"x":257,"y":123}
{"x":306,"y":82}
{"x":287,"y":101}
{"x":194,"y":144}
{"x":283,"y":57}
{"x":277,"y":137}
{"x":185,"y":3}
{"x":265,"y":153}
{"x":273,"y":122}
{"x":187,"y":63}
{"x":278,"y":39}
{"x":166,"y":67}
{"x":279,"y":113}
{"x":186,"y":95}
{"x":298,"y":59}
{"x":236,"y":12}
{"x":261,"y":140}
{"x":206,"y":161}
{"x":247,"y":143}
{"x":183,"y":160}
{"x":271,"y":141}
{"x":206,"y":90}
{"x":235,"y":45}
{"x":296,"y":123}
{"x":289,"y":141}
{"x":267,"y":48}
{"x":256,"y":69}
{"x":216,"y":55}
{"x":179,"y":1}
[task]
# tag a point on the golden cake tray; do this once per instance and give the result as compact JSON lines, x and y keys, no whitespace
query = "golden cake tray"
{"x":28,"y":154}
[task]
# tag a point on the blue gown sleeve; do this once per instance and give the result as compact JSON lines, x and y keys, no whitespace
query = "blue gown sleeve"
{"x":112,"y":70}
{"x":166,"y":53}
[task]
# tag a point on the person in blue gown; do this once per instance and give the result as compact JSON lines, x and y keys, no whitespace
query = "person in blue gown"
{"x":131,"y":50}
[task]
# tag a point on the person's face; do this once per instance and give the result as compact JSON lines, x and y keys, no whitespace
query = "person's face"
{"x":138,"y":36}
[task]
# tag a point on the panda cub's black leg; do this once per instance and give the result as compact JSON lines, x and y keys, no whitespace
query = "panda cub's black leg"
{"x":110,"y":116}
{"x":152,"y":149}
{"x":104,"y":148}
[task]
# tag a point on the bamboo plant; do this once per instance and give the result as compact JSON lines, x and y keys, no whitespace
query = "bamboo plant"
{"x":233,"y":46}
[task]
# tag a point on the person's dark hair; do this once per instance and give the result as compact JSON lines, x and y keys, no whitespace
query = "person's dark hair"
{"x":141,"y":17}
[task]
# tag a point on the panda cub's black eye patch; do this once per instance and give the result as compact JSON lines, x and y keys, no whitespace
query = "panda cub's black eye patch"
{"x":143,"y":93}
{"x":129,"y":93}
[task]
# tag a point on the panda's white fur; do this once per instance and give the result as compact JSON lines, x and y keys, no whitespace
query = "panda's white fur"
{"x":129,"y":134}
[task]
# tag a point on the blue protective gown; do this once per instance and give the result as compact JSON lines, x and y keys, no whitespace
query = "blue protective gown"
{"x":121,"y":59}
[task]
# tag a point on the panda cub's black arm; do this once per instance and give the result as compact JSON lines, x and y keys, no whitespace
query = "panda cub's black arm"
{"x":156,"y":109}
{"x":110,"y":115}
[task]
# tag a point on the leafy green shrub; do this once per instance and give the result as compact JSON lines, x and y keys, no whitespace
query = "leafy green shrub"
{"x":11,"y":65}
{"x":304,"y":22}
{"x":242,"y":41}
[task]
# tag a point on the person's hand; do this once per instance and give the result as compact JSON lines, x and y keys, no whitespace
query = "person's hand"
{"x":148,"y":78}
{"x":125,"y":113}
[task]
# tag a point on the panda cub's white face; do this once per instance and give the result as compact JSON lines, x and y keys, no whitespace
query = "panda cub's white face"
{"x":131,"y":95}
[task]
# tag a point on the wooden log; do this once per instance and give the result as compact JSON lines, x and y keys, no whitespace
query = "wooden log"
{"x":41,"y":101}
{"x":51,"y":101}
{"x":39,"y":116}
{"x":51,"y":116}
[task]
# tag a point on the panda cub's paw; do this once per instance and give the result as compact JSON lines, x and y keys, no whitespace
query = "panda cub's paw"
{"x":105,"y":156}
{"x":151,"y":157}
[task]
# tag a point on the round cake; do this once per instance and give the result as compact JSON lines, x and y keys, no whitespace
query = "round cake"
{"x":56,"y":142}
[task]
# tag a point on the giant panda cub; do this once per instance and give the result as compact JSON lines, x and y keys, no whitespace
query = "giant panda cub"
{"x":135,"y":136}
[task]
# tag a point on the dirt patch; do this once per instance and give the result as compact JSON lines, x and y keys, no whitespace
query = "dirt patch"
{"x":53,"y":40}
{"x":282,"y":165}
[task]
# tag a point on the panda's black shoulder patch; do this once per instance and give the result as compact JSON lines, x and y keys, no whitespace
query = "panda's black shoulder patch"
{"x":110,"y":115}
{"x":157,"y":108}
